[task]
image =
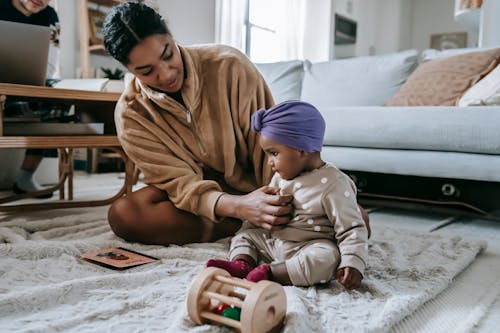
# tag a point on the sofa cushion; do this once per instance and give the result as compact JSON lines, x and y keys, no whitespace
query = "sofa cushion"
{"x":451,"y":129}
{"x":283,"y":78}
{"x":485,"y":92}
{"x":370,"y":80}
{"x":443,"y":81}
{"x":415,"y":162}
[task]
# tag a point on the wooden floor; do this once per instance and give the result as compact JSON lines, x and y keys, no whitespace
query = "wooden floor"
{"x":97,"y":186}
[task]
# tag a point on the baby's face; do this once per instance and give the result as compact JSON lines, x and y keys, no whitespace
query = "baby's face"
{"x":288,"y":162}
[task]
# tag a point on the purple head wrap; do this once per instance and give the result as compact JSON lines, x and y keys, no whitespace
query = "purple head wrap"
{"x":294,"y":124}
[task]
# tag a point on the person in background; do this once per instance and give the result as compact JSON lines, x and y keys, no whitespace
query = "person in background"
{"x":36,"y":12}
{"x":184,"y":120}
{"x":327,"y":237}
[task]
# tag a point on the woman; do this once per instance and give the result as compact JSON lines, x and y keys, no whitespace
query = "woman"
{"x":185,"y":121}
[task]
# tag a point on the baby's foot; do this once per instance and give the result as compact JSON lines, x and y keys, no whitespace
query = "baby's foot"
{"x":262,"y":272}
{"x":238,"y":268}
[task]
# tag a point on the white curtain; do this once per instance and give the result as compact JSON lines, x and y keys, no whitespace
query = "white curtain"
{"x":291,"y":34}
{"x":230,"y":22}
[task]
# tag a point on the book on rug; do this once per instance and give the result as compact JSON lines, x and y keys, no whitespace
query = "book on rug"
{"x":118,"y":258}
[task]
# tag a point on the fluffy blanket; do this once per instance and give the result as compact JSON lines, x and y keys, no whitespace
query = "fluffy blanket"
{"x":45,"y":287}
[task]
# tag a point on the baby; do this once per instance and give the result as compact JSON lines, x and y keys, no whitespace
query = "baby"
{"x":327,"y":238}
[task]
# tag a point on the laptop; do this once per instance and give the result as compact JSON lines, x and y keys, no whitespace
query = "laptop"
{"x":24,"y":52}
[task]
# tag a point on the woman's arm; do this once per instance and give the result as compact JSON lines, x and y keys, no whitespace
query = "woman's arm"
{"x":265,"y":207}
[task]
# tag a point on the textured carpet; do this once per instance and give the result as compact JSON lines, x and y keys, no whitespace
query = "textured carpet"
{"x":45,"y":287}
{"x":472,"y":302}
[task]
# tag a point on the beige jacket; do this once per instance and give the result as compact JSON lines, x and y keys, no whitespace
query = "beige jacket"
{"x":174,"y":145}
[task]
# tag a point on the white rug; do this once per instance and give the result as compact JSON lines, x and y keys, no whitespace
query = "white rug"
{"x":45,"y":287}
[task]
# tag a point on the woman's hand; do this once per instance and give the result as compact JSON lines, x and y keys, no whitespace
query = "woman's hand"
{"x":349,"y":277}
{"x":265,"y":207}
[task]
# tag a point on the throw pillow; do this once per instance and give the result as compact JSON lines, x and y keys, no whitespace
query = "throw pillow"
{"x":359,"y":81}
{"x":485,"y":92}
{"x":283,"y":78}
{"x":443,"y":81}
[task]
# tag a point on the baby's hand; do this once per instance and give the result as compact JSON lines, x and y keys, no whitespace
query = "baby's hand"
{"x":349,"y":277}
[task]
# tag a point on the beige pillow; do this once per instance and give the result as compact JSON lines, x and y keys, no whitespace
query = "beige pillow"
{"x":485,"y":92}
{"x":443,"y":81}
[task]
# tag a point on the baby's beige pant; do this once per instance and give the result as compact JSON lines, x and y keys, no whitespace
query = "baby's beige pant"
{"x":307,"y":262}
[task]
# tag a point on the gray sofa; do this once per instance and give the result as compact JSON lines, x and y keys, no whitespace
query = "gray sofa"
{"x":453,"y":151}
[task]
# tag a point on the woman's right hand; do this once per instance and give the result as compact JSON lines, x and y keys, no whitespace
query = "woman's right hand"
{"x":264,"y":208}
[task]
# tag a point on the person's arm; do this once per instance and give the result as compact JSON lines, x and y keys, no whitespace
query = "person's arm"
{"x":349,"y":277}
{"x":182,"y":179}
{"x":164,"y":163}
{"x":264,"y":207}
{"x":350,"y":231}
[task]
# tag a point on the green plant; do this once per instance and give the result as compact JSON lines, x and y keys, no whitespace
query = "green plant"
{"x":116,"y":74}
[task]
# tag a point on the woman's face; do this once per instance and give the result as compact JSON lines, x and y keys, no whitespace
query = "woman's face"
{"x":157,"y":62}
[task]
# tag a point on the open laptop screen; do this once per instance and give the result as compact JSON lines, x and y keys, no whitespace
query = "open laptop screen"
{"x":24,"y":50}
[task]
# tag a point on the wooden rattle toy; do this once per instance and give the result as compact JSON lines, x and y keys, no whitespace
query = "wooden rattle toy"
{"x":215,"y":297}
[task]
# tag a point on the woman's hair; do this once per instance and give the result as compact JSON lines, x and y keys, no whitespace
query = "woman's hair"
{"x":127,"y":25}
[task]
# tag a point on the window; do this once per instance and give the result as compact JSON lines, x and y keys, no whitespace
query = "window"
{"x":260,"y":28}
{"x":266,"y":31}
{"x":273,"y":30}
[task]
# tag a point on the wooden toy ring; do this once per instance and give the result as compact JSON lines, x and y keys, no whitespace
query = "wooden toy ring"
{"x":262,"y":304}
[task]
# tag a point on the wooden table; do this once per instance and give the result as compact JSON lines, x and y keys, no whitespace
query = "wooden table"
{"x":95,"y":106}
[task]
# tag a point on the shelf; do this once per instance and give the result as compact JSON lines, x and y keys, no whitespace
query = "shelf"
{"x":90,"y":22}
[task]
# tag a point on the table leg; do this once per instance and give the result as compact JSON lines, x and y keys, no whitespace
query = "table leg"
{"x":71,"y":171}
{"x":2,"y":105}
{"x":61,"y":158}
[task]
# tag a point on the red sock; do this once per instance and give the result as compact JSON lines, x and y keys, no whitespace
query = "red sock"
{"x":238,"y":268}
{"x":262,"y":272}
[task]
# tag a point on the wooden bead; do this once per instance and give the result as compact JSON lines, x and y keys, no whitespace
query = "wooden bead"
{"x":221,"y":308}
{"x":232,"y":313}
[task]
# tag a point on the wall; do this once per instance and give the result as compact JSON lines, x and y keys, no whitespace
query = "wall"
{"x":386,"y":26}
{"x":433,"y":17}
{"x":392,"y":26}
{"x":489,"y":34}
{"x":69,"y":43}
{"x":190,"y":21}
{"x":405,"y":23}
{"x":382,"y":26}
